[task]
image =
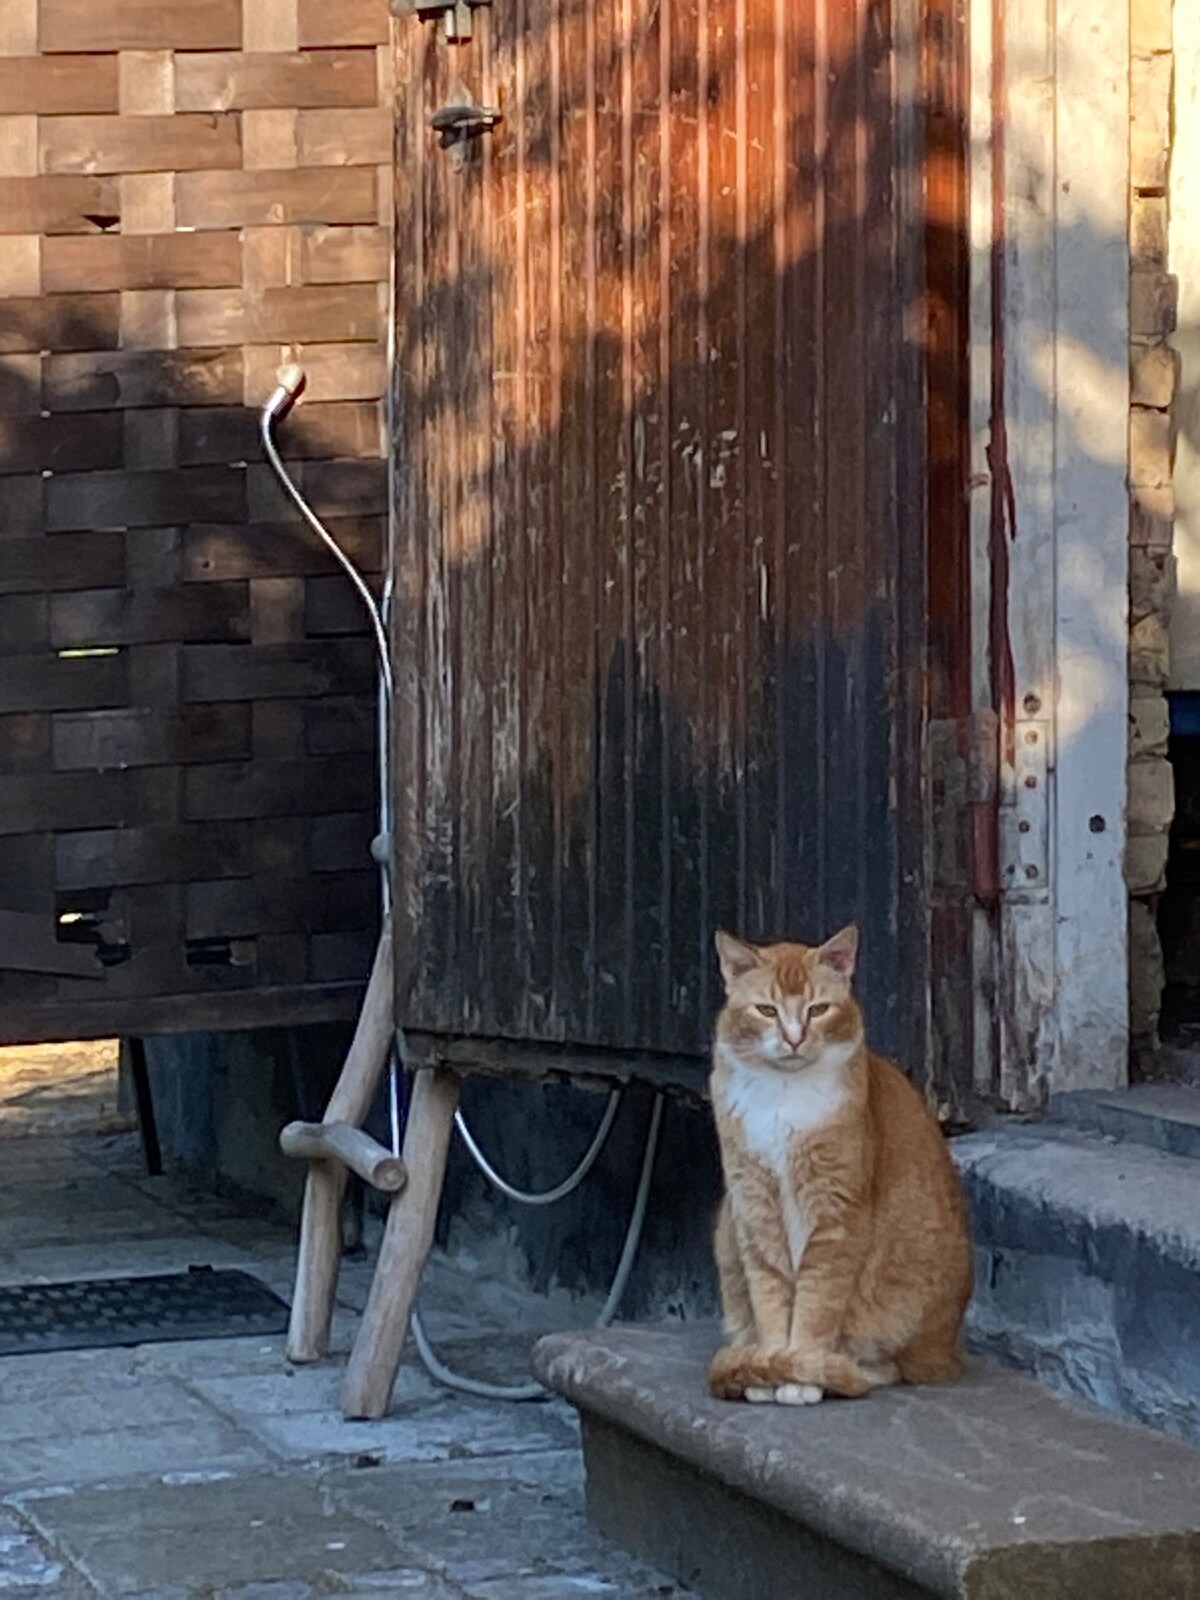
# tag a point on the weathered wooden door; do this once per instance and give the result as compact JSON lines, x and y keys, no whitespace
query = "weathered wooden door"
{"x":660,"y":529}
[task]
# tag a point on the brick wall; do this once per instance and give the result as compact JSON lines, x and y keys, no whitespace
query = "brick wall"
{"x":1153,"y":373}
{"x":191,"y":191}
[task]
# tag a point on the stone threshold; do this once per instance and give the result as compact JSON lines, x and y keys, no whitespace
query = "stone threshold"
{"x":987,"y":1489}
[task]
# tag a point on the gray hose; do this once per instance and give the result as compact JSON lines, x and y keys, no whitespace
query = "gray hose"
{"x":542,"y":1197}
{"x":441,"y":1373}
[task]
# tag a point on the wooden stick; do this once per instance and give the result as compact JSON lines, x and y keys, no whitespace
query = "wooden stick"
{"x":351,"y":1097}
{"x":338,"y":1141}
{"x":319,"y":1253}
{"x":371,"y":1372}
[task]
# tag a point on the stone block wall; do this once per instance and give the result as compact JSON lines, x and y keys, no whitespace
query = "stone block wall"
{"x":1153,"y":380}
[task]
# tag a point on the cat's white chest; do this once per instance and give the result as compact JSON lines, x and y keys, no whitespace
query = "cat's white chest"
{"x":773,"y":1107}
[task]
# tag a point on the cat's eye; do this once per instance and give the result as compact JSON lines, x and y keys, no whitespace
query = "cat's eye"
{"x":819,"y":1010}
{"x":767,"y":1011}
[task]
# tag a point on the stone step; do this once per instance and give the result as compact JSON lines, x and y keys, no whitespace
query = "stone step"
{"x":986,"y":1489}
{"x":1088,"y":1267}
{"x":1165,"y":1116}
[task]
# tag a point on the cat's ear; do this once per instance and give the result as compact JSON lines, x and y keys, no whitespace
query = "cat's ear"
{"x":840,"y":953}
{"x":737,"y":958}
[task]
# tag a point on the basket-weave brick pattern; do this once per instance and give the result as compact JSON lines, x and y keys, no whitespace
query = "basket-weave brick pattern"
{"x":191,"y":191}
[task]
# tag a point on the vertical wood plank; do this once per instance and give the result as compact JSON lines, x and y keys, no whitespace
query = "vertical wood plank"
{"x":690,"y":947}
{"x":444,"y":217}
{"x":407,"y":530}
{"x":761,"y":108}
{"x":147,"y":202}
{"x":648,"y":525}
{"x":20,"y":265}
{"x":805,"y":564}
{"x":506,"y":879}
{"x":541,"y":669}
{"x":475,"y":311}
{"x":724,"y":522}
{"x":614,"y":374}
{"x":574,"y":293}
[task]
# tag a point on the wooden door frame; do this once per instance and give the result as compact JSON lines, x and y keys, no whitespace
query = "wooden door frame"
{"x":1050,"y":403}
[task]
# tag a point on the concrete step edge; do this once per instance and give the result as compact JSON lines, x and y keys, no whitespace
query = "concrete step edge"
{"x":1106,"y":1198}
{"x":1164,"y":1116}
{"x":932,"y":1485}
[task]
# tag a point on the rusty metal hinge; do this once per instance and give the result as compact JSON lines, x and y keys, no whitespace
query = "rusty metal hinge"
{"x":457,"y":19}
{"x":1025,"y":814}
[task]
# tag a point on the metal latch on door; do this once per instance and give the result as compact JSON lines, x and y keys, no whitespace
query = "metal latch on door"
{"x":457,"y":123}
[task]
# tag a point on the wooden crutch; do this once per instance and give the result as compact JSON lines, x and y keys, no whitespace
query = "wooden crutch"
{"x":331,"y":1146}
{"x":379,"y":1343}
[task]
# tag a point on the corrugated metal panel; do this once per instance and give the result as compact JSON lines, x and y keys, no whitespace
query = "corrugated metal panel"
{"x":654,"y":427}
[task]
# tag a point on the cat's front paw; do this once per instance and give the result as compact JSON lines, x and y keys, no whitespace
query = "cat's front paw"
{"x":827,"y":1371}
{"x":730,"y":1371}
{"x":785,"y":1394}
{"x":798,"y":1394}
{"x":761,"y":1376}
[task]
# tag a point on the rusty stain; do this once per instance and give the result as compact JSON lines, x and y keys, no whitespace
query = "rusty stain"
{"x":1002,"y":519}
{"x":1003,"y":524}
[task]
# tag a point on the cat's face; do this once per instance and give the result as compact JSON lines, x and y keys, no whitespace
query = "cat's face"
{"x":786,"y":1005}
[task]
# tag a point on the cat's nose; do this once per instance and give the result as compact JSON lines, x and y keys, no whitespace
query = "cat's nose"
{"x":793,"y":1037}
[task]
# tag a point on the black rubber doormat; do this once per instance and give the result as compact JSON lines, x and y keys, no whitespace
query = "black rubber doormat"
{"x":201,"y":1303}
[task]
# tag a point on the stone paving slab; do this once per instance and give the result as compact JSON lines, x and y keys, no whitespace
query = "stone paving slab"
{"x":514,"y":1526}
{"x":242,"y":1357}
{"x":239,"y":1529}
{"x":278,"y":1390}
{"x":208,"y":1443}
{"x":452,"y":1429}
{"x":28,"y":1569}
{"x":213,"y":1470}
{"x":91,"y":1402}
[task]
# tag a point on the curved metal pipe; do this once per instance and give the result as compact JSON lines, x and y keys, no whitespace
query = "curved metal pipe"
{"x":291,"y":381}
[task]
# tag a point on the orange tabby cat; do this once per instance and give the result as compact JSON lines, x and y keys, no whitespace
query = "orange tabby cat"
{"x":841,"y":1241}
